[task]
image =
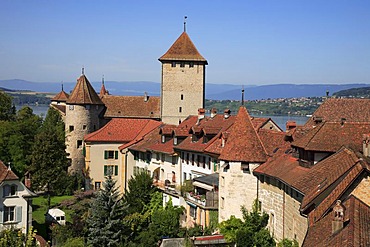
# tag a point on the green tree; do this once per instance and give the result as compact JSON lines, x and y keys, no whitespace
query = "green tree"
{"x":105,"y":220}
{"x":139,"y":193}
{"x":15,"y":238}
{"x":7,"y":110}
{"x":49,"y":162}
{"x":251,"y":231}
{"x":288,"y":243}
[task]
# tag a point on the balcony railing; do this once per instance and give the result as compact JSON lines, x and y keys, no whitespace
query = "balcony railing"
{"x":210,"y":199}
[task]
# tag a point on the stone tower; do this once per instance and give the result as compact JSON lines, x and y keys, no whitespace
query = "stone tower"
{"x":183,"y":81}
{"x":83,"y":109}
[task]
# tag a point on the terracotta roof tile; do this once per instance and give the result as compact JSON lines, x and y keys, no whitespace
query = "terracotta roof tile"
{"x":243,"y":143}
{"x":131,"y":106}
{"x":333,"y":110}
{"x":354,"y":233}
{"x":184,"y":50}
{"x":6,"y":174}
{"x":330,"y":136}
{"x":272,"y":140}
{"x":61,"y":96}
{"x":84,"y":93}
{"x":122,"y":130}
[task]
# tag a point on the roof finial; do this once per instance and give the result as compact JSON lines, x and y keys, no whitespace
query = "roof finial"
{"x":102,"y":80}
{"x":185,"y":17}
{"x":62,"y":86}
{"x":83,"y":70}
{"x":243,"y":95}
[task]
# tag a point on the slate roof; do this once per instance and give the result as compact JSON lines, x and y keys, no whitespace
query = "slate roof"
{"x":333,"y":110}
{"x":211,"y":179}
{"x":330,"y":136}
{"x":61,"y":96}
{"x":6,"y":174}
{"x":183,"y":50}
{"x":84,"y":93}
{"x":354,"y":233}
{"x":131,"y":106}
{"x":122,"y":130}
{"x":243,"y":144}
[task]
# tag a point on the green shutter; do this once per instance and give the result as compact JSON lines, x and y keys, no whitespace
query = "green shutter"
{"x":18,"y":212}
{"x":84,"y":151}
{"x":105,"y":170}
{"x":105,"y":154}
{"x":1,"y":215}
{"x":116,"y":155}
{"x":116,"y":170}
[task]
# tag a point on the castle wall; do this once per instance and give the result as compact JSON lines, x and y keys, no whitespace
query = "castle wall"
{"x":183,"y":90}
{"x":80,"y":120}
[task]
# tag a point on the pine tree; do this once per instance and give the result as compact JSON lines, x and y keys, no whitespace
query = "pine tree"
{"x":105,"y":220}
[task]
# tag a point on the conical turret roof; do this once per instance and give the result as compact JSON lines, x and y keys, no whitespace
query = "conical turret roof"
{"x":243,"y":143}
{"x":61,"y":96}
{"x":184,"y":50}
{"x":84,"y":93}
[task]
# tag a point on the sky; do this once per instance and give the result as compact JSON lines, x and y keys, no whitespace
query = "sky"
{"x":252,"y":42}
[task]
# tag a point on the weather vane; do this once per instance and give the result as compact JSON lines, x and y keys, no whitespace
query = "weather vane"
{"x":185,"y":17}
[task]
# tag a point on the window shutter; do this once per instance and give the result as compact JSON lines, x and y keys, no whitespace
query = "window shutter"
{"x":116,"y":155}
{"x":105,"y":170}
{"x":116,"y":170}
{"x":1,"y":215}
{"x":105,"y":154}
{"x":18,"y":211}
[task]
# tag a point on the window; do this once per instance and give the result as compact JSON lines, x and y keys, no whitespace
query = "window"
{"x":245,"y":167}
{"x":110,"y":154}
{"x":190,"y":176}
{"x":226,"y":167}
{"x":136,"y":155}
{"x":193,"y":212}
{"x":97,"y":185}
{"x":182,"y":97}
{"x":9,"y":190}
{"x":79,"y":143}
{"x":182,"y":157}
{"x":110,"y":170}
{"x":71,"y":107}
{"x":9,"y":214}
{"x":173,"y":177}
{"x":222,"y":202}
{"x":174,"y":160}
{"x":87,"y":107}
{"x":180,"y":109}
{"x":163,"y":139}
{"x":175,"y":141}
{"x":71,"y":128}
{"x":191,"y":65}
{"x":148,"y":157}
{"x":192,"y":159}
{"x":222,"y":181}
{"x":162,"y":157}
{"x":84,"y":127}
{"x":182,"y":64}
{"x":187,"y":158}
{"x":184,"y":177}
{"x":157,"y":156}
{"x":173,"y":64}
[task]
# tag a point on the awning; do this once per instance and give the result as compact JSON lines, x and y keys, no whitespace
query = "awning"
{"x":202,"y":185}
{"x":152,"y":167}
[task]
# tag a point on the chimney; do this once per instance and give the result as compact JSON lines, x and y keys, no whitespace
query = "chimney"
{"x":27,"y":180}
{"x":213,"y":112}
{"x":317,"y":119}
{"x":365,"y":145}
{"x":201,"y":113}
{"x":290,"y":125}
{"x":146,"y":97}
{"x":227,"y":113}
{"x":337,"y":223}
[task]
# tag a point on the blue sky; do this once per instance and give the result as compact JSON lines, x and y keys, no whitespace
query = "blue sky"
{"x":245,"y":42}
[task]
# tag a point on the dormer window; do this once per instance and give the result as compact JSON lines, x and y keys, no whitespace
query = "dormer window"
{"x":245,"y":167}
{"x":194,"y":138}
{"x":175,"y":141}
{"x":9,"y":190}
{"x":163,"y":139}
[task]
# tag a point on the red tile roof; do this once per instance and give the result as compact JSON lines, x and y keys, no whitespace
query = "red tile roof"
{"x":184,"y":50}
{"x":355,"y":231}
{"x":243,"y":143}
{"x":330,"y":136}
{"x":61,"y":96}
{"x":84,"y":93}
{"x":131,"y":106}
{"x":333,"y":110}
{"x":6,"y":174}
{"x":122,"y":130}
{"x":272,"y":140}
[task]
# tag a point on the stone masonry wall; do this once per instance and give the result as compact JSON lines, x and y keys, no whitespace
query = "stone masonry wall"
{"x":186,"y":81}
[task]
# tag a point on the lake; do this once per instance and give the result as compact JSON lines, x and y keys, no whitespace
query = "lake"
{"x":279,"y":120}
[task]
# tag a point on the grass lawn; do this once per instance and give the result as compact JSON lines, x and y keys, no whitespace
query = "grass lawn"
{"x":39,"y":206}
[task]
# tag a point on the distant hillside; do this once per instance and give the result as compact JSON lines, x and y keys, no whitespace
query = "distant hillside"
{"x":363,"y":92}
{"x":213,"y":91}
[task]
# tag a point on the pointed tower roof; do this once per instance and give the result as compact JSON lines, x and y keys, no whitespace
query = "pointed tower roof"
{"x":243,"y":144}
{"x":84,"y":93}
{"x":184,"y":50}
{"x":61,"y":96}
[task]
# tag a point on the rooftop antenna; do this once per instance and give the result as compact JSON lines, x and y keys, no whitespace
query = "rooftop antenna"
{"x":243,"y":95}
{"x":185,"y":17}
{"x":83,"y":70}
